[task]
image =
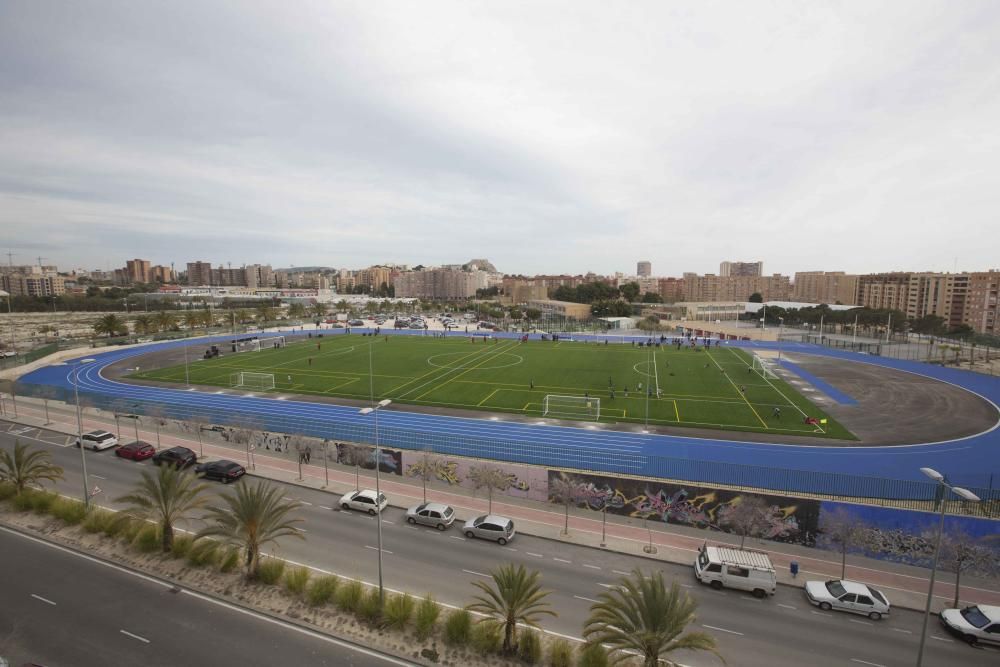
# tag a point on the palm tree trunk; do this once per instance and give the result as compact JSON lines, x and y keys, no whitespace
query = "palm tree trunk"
{"x":168,"y":536}
{"x":843,"y":562}
{"x":508,"y":637}
{"x":958,"y":576}
{"x":253,"y":562}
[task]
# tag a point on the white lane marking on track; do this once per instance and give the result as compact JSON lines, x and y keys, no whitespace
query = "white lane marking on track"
{"x":385,"y":551}
{"x":45,"y":600}
{"x":580,"y":597}
{"x":478,"y":574}
{"x":142,"y":639}
{"x":732,"y":632}
{"x":865,"y":662}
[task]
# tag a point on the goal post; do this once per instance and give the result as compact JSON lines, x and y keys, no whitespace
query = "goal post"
{"x":249,"y":380}
{"x":256,"y":344}
{"x":763,"y":368}
{"x":572,"y":407}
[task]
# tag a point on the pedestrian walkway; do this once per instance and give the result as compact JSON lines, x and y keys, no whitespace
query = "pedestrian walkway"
{"x":906,"y":586}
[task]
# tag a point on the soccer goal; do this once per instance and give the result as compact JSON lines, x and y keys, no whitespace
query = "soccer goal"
{"x":248,"y":380}
{"x":255,"y":344}
{"x":572,"y":407}
{"x":763,"y":368}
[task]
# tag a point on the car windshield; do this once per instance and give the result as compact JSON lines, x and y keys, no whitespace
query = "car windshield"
{"x":421,"y":508}
{"x":878,"y":596}
{"x":835,"y":588}
{"x":974,"y":617}
{"x":479,"y":521}
{"x":448,"y":511}
{"x":381,"y":498}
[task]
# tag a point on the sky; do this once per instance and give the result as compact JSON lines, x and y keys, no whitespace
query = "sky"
{"x":548,"y":137}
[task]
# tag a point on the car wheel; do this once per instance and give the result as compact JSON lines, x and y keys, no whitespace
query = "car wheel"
{"x":345,"y":506}
{"x":875,"y":616}
{"x":969,"y":639}
{"x":440,"y":526}
{"x":825,"y":606}
{"x":717,"y":585}
{"x":469,"y":533}
{"x":759,"y":592}
{"x":371,"y":512}
{"x":410,"y":520}
{"x":502,"y":541}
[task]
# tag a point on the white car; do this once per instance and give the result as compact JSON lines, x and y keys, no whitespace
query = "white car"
{"x":978,"y":623}
{"x":851,"y":596}
{"x":364,"y":501}
{"x":98,"y":440}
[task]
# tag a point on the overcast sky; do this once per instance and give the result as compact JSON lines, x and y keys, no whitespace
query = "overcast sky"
{"x":546,"y":136}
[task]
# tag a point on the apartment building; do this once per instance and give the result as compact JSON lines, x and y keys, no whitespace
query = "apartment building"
{"x":162,"y":274}
{"x":884,"y":290}
{"x":199,"y":273}
{"x":711,"y":287}
{"x":568,"y":309}
{"x":644,"y":269}
{"x":941,"y":294}
{"x":828,"y":287}
{"x":138,"y":271}
{"x":446,"y":284}
{"x":374,"y":277}
{"x":671,"y":289}
{"x":522,"y":290}
{"x":982,"y":296}
{"x":741,"y":269}
{"x":20,"y":284}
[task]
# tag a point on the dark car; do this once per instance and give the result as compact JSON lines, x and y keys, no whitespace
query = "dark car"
{"x":224,"y":471}
{"x":137,"y":451}
{"x":179,"y":457}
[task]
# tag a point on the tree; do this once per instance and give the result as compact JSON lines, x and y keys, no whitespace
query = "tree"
{"x":255,"y":516}
{"x":166,"y":496}
{"x":756,"y":297}
{"x":165,"y":321}
{"x":960,"y":552}
{"x":747,"y":516}
{"x":26,"y":468}
{"x":143,"y":324}
{"x":319,"y":309}
{"x":652,"y":297}
{"x":532,"y":314}
{"x":562,"y":489}
{"x":846,"y":531}
{"x":630,"y":291}
{"x":296,"y":310}
{"x":265,"y":314}
{"x":490,"y":478}
{"x":192,"y":319}
{"x":243,"y":316}
{"x":642,"y":616}
{"x":110,"y":325}
{"x":515,"y":597}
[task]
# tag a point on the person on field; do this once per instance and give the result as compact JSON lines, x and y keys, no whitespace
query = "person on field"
{"x":776,"y":413}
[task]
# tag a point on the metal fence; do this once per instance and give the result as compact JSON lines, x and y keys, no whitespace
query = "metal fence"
{"x":887,"y":492}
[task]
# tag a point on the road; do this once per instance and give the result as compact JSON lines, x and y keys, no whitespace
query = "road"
{"x":784,"y":630}
{"x":60,"y":608}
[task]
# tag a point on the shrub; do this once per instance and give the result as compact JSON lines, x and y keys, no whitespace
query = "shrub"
{"x":41,"y":501}
{"x":181,"y":546}
{"x":529,"y":647}
{"x":71,"y":512}
{"x":457,"y":627}
{"x":296,"y":580}
{"x":560,"y":653}
{"x":427,"y":615}
{"x":321,"y":590}
{"x":205,"y":552}
{"x":369,"y":607}
{"x":270,"y":571}
{"x":592,"y":655}
{"x":147,"y":539}
{"x":398,"y":611}
{"x":230,"y":560}
{"x":7,"y":490}
{"x":349,"y":596}
{"x":97,"y":520}
{"x":485,"y":637}
{"x":130,"y":527}
{"x":23,"y":502}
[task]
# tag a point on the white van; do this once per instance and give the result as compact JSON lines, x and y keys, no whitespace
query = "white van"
{"x":745,"y":570}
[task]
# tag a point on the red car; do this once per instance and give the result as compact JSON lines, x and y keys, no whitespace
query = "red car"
{"x":137,"y":451}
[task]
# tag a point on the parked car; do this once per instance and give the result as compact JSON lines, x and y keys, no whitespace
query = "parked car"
{"x":179,"y":457}
{"x":137,"y":451}
{"x":850,"y":596}
{"x":500,"y":529}
{"x":431,"y":514}
{"x":356,"y":323}
{"x":365,"y":501}
{"x":978,"y":623}
{"x":98,"y":440}
{"x":222,"y":470}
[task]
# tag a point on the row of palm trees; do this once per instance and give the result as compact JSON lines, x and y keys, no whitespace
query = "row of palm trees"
{"x":641,"y":616}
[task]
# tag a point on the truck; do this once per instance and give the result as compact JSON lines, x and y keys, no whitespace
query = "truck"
{"x":742,"y":569}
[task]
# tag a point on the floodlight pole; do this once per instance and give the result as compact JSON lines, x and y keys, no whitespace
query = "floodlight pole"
{"x":79,"y":429}
{"x":375,"y":407}
{"x":187,"y":375}
{"x":944,"y":488}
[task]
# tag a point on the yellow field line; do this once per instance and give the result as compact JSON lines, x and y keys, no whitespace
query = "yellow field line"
{"x":488,"y":397}
{"x":764,"y":423}
{"x":677,"y":413}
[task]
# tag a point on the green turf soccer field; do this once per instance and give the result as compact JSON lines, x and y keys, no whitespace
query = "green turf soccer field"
{"x":696,"y":388}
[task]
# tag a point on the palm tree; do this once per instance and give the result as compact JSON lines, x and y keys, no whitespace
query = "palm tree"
{"x":296,"y":310}
{"x":165,"y":321}
{"x":207,"y":319}
{"x":265,"y":314}
{"x":242,"y":316}
{"x":319,"y":309}
{"x":257,"y":515}
{"x":111,"y":325}
{"x":166,"y":495}
{"x":143,"y":324}
{"x":192,"y":319}
{"x":642,"y":616}
{"x":515,"y":597}
{"x":25,"y":467}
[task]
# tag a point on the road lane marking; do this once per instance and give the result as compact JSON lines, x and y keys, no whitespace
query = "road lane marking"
{"x":943,"y":639}
{"x":865,"y":662}
{"x":909,"y":632}
{"x":385,"y":551}
{"x":302,"y":530}
{"x":787,"y":606}
{"x":854,"y":620}
{"x":535,"y":555}
{"x":456,"y":537}
{"x":97,"y":476}
{"x":305,"y":503}
{"x":45,"y":600}
{"x":732,"y":632}
{"x":324,"y":507}
{"x":627,"y":574}
{"x":562,"y":560}
{"x":580,"y":597}
{"x":592,"y":567}
{"x":129,"y":634}
{"x":478,"y":574}
{"x":391,"y":523}
{"x":510,"y":548}
{"x":747,"y":597}
{"x":688,"y":585}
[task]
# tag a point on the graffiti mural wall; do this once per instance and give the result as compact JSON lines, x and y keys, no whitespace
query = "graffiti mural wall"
{"x":787,"y":519}
{"x":520,"y":481}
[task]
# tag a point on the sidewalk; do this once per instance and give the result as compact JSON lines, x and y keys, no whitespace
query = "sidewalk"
{"x":906,"y":586}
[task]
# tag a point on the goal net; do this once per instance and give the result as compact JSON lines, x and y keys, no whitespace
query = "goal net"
{"x":763,"y":368}
{"x":571,"y":407}
{"x":247,"y":380}
{"x":255,"y":344}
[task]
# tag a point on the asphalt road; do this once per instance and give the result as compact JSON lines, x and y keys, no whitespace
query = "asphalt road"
{"x":783,"y":630}
{"x":60,"y":608}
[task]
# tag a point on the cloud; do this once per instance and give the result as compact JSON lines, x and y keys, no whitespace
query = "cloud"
{"x":549,"y":137}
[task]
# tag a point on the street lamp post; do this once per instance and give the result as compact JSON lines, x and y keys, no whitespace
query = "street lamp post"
{"x":79,"y":429}
{"x":781,"y":326}
{"x":964,"y":494}
{"x":187,"y":375}
{"x":373,"y":410}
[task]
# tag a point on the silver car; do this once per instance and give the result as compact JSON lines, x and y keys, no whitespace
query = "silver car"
{"x":845,"y":595}
{"x":438,"y":515}
{"x":500,"y":529}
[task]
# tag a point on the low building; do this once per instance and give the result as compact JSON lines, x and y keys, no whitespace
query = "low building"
{"x":568,"y":309}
